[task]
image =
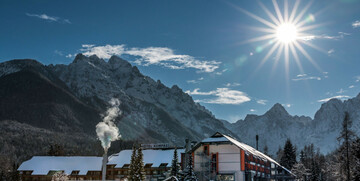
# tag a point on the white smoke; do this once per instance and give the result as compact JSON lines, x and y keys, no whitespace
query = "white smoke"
{"x":106,"y":130}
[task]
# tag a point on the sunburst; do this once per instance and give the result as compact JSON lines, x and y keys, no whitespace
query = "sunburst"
{"x":285,"y":33}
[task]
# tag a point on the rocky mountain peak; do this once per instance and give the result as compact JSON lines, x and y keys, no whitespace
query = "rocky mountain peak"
{"x":358,"y":96}
{"x":79,"y":57}
{"x":93,"y":59}
{"x":117,"y":62}
{"x":277,"y":110}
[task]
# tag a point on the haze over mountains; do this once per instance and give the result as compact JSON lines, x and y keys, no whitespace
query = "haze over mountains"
{"x":63,"y":103}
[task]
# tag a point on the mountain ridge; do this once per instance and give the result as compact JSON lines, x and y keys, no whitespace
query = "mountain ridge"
{"x":154,"y":112}
{"x":278,"y":124}
{"x":148,"y":106}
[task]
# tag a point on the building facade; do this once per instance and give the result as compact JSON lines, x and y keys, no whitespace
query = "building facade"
{"x":43,"y":168}
{"x":219,"y":157}
{"x":157,"y":163}
{"x":222,"y":157}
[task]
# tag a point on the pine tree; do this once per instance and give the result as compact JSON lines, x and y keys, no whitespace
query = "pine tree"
{"x":346,"y":136}
{"x":175,"y":167}
{"x":133,"y":170}
{"x":140,"y":171}
{"x":356,"y":156}
{"x":288,"y":158}
{"x":190,"y":175}
{"x":279,"y":154}
{"x":315,"y":171}
{"x":56,"y":150}
{"x":300,"y":171}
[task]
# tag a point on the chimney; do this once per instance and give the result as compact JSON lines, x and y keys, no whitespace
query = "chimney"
{"x":257,"y":142}
{"x":104,"y":162}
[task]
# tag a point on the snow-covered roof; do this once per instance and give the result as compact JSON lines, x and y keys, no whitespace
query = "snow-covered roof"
{"x":154,"y":157}
{"x":218,"y":137}
{"x":41,"y":165}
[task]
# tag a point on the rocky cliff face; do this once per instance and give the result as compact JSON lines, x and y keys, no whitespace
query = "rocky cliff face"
{"x":151,"y":112}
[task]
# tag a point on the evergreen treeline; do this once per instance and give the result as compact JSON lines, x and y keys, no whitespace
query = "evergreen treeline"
{"x":136,"y":172}
{"x":342,"y":164}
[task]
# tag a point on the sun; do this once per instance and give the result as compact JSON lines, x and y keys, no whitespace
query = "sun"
{"x":286,"y":33}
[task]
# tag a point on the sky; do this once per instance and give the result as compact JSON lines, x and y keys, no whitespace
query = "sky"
{"x":217,"y":51}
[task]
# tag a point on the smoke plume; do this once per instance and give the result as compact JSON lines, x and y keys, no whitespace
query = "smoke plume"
{"x":106,"y":130}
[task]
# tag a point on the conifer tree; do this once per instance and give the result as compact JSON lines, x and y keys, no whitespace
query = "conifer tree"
{"x":190,"y":175}
{"x":346,"y":136}
{"x":175,"y":167}
{"x":132,"y":169}
{"x":300,"y":171}
{"x":140,"y":171}
{"x":288,"y":158}
{"x":356,"y":157}
{"x":279,"y":154}
{"x":315,"y":171}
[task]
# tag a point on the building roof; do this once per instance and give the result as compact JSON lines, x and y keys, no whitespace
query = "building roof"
{"x":154,"y":157}
{"x":219,"y":137}
{"x":41,"y":165}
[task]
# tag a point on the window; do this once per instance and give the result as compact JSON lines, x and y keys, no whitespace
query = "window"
{"x":214,"y":163}
{"x":206,"y":149}
{"x":75,"y":172}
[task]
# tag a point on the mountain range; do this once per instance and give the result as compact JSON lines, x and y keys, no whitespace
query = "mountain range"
{"x":63,"y":103}
{"x":277,"y":125}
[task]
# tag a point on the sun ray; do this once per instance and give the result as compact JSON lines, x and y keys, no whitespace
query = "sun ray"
{"x":303,"y":51}
{"x":286,"y":52}
{"x":293,"y":12}
{"x":314,"y":46}
{"x":271,"y":51}
{"x":301,"y":14}
{"x":267,"y":23}
{"x":297,"y":60}
{"x":261,"y":38}
{"x":266,"y":30}
{"x":272,"y":17}
{"x":310,"y":27}
{"x":277,"y":58}
{"x":278,"y":13}
{"x":286,"y":11}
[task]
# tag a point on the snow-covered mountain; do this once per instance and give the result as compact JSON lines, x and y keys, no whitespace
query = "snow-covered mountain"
{"x":149,"y":103}
{"x":276,"y":125}
{"x":73,"y":96}
{"x":149,"y":108}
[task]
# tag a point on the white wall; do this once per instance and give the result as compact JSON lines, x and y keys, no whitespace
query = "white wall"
{"x":229,"y":159}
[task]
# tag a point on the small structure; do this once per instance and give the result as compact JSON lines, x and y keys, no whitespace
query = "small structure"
{"x":76,"y":167}
{"x":222,"y":157}
{"x":157,"y":163}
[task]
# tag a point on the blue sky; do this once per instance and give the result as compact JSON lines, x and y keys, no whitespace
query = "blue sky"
{"x":201,"y":46}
